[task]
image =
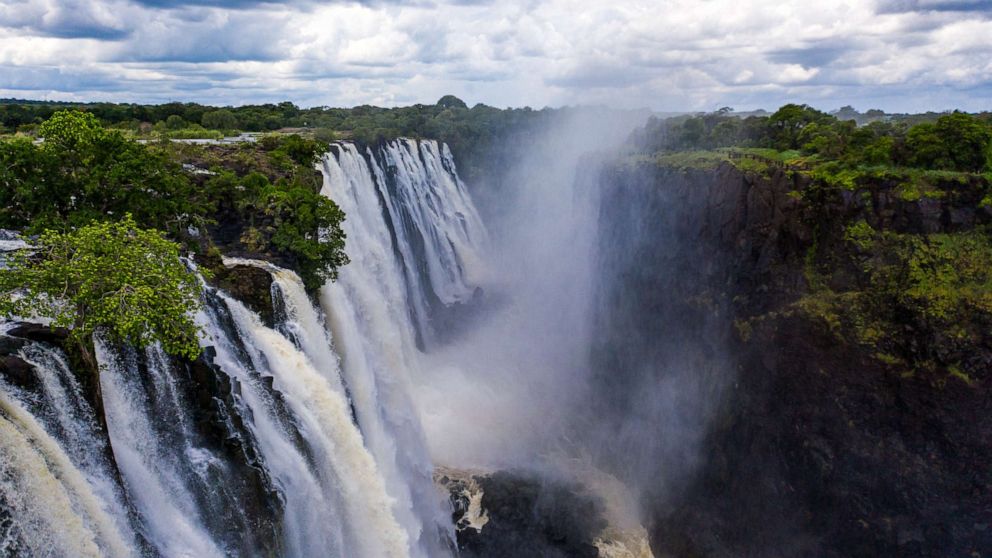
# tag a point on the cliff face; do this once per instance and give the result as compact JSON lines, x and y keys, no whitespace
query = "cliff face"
{"x":809,"y":397}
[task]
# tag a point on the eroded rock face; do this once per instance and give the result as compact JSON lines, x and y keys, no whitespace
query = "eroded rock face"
{"x":251,"y":285}
{"x":38,"y":332}
{"x":521,"y":515}
{"x":812,"y":446}
{"x":19,"y":373}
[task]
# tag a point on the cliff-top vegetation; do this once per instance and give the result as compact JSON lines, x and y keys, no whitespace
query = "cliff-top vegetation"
{"x":104,"y":215}
{"x":897,"y":261}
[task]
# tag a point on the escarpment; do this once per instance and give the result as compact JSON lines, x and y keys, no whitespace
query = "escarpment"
{"x":833,"y":344}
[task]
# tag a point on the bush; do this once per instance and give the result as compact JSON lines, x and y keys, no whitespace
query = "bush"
{"x":113,"y":278}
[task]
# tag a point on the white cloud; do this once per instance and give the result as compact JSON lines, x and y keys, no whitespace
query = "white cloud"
{"x":668,"y":55}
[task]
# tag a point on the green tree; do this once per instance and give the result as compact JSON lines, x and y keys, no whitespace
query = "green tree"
{"x":786,"y":124}
{"x":956,"y":141}
{"x":83,"y":172}
{"x":114,"y":278}
{"x":967,"y":140}
{"x":222,"y":119}
{"x":450,"y":101}
{"x":308,"y":226}
{"x":31,"y":184}
{"x":828,"y":139}
{"x":175,"y":122}
{"x":69,"y":130}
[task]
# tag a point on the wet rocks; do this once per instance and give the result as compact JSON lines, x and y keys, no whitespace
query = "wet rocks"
{"x":818,"y":448}
{"x":19,"y":373}
{"x":39,"y":332}
{"x":251,"y":285}
{"x":522,"y":515}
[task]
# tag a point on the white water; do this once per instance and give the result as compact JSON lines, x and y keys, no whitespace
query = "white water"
{"x":437,"y":230}
{"x":325,"y":422}
{"x":51,"y":501}
{"x":152,"y":470}
{"x":379,"y":303}
{"x":311,"y":522}
{"x":324,"y":397}
{"x":428,"y":198}
{"x":72,"y":421}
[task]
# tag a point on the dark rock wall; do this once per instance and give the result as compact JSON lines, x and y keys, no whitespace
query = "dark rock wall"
{"x":793,"y":441}
{"x":529,"y":516}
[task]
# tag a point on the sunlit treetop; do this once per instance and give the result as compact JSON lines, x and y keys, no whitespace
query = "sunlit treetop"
{"x":113,"y":278}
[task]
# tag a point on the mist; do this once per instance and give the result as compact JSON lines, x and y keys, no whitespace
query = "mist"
{"x":520,"y":385}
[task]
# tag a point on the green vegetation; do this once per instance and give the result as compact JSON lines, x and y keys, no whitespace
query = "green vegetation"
{"x":474,"y":134}
{"x":264,"y":199}
{"x":113,"y":278}
{"x":840,"y":150}
{"x":916,"y":301}
{"x":691,"y":159}
{"x":915,"y":297}
{"x":87,"y":184}
{"x":82,"y":173}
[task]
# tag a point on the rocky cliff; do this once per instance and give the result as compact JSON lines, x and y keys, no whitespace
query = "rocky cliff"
{"x":819,"y":358}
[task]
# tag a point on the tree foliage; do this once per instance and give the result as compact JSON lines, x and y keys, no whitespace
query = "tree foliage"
{"x":222,"y":119}
{"x":115,"y":278}
{"x":83,"y":172}
{"x":954,"y":141}
{"x":287,"y":217}
{"x":787,"y":124}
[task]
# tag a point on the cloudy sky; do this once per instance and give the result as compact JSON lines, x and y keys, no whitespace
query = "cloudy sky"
{"x":899,"y":55}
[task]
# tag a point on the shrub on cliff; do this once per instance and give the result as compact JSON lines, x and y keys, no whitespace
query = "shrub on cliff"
{"x":114,"y":278}
{"x":273,"y":198}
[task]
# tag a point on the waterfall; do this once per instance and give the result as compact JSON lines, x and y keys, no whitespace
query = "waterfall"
{"x":308,"y":377}
{"x":154,"y":449}
{"x":428,"y":221}
{"x":65,"y":412}
{"x":311,"y":523}
{"x":53,"y":505}
{"x":296,"y":439}
{"x":406,"y":207}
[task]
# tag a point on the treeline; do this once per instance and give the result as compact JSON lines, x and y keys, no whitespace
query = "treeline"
{"x":953,"y":141}
{"x":472,"y":133}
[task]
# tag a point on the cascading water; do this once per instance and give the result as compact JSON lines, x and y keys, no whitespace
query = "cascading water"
{"x":381,"y":301}
{"x":345,"y":471}
{"x":294,"y":439}
{"x":429,"y":221}
{"x":54,"y":505}
{"x":155,"y":449}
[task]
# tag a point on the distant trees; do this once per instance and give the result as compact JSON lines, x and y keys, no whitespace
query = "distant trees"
{"x":450,"y":101}
{"x":222,"y":119}
{"x":945,"y":141}
{"x":175,"y":122}
{"x":786,"y":125}
{"x":956,"y":141}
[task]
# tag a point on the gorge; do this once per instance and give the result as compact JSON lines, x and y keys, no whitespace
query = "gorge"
{"x":590,"y":351}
